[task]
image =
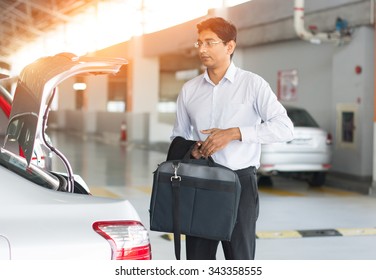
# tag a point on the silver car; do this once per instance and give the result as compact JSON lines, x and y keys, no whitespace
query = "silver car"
{"x":308,"y":155}
{"x":51,"y":215}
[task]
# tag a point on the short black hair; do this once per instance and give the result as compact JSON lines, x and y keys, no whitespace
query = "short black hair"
{"x":224,"y":29}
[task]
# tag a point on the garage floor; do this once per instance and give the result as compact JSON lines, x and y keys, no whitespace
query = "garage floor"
{"x":295,"y":223}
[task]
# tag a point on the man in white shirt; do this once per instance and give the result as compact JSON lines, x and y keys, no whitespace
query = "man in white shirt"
{"x":230,"y":112}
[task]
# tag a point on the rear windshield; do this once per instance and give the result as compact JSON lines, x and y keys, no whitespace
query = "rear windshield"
{"x":32,"y":173}
{"x":301,"y":117}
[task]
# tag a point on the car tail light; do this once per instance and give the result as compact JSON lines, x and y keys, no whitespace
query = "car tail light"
{"x":327,"y":166}
{"x":267,"y":166}
{"x":129,"y":240}
{"x":329,"y":139}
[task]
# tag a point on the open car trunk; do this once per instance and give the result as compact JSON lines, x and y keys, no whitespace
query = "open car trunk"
{"x":35,"y":92}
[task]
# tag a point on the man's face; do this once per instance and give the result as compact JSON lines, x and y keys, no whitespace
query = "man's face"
{"x":213,"y":52}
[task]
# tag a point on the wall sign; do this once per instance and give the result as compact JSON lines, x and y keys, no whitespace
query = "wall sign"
{"x":287,"y":85}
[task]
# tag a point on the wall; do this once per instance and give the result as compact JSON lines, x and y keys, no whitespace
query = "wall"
{"x":313,"y":63}
{"x":355,"y":90}
{"x":327,"y":78}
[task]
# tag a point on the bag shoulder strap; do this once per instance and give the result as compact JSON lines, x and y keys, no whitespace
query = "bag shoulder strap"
{"x":175,"y":182}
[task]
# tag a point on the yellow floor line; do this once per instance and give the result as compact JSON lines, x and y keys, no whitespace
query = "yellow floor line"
{"x":98,"y":191}
{"x":275,"y":191}
{"x":357,"y":231}
{"x":170,"y":236}
{"x":345,"y":232}
{"x":280,"y":192}
{"x":278,"y":234}
{"x":144,"y":189}
{"x":148,"y":190}
{"x":335,"y":191}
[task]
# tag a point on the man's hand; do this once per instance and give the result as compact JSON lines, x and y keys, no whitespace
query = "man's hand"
{"x":196,"y":150}
{"x":218,"y":139}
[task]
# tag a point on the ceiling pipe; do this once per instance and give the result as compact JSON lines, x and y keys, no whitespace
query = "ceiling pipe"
{"x":312,"y":36}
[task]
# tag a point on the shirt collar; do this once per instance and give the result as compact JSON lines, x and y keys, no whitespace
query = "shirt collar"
{"x":230,"y":74}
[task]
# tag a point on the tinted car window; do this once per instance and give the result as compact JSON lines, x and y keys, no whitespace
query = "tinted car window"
{"x":301,"y":117}
{"x":31,"y":173}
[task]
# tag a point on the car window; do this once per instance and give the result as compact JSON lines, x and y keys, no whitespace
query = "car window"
{"x":301,"y":117}
{"x":32,"y":173}
{"x":23,"y":122}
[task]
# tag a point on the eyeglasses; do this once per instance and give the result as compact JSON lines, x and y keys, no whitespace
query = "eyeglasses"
{"x":207,"y":44}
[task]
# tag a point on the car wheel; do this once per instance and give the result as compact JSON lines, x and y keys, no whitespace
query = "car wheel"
{"x":264,"y":181}
{"x":317,"y":179}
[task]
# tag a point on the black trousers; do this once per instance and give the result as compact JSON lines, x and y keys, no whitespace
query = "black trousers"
{"x":243,"y":240}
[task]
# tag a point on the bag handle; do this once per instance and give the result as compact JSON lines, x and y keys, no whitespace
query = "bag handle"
{"x":187,"y":157}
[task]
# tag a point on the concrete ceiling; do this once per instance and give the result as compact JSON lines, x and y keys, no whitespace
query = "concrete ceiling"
{"x":24,"y":20}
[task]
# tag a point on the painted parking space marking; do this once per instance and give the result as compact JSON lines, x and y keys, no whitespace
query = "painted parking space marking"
{"x":278,"y":234}
{"x":328,"y":190}
{"x":305,"y":192}
{"x":283,"y":234}
{"x":319,"y":233}
{"x":272,"y":191}
{"x":144,"y":189}
{"x":340,"y":232}
{"x":170,"y":236}
{"x":280,"y":192}
{"x":103,"y":192}
{"x":357,"y":231}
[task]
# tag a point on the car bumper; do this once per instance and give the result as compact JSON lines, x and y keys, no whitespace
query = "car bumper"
{"x":294,"y":162}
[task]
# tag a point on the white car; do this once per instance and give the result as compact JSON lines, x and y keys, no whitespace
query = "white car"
{"x":45,"y":215}
{"x":307,"y":155}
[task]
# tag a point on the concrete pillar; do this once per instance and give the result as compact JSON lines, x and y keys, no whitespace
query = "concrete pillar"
{"x":96,"y":93}
{"x":143,"y":93}
{"x":66,"y":101}
{"x":66,"y":95}
{"x":95,"y":100}
{"x":352,"y":86}
{"x":145,"y":79}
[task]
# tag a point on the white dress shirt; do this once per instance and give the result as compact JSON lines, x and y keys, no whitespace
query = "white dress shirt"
{"x":241,"y":99}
